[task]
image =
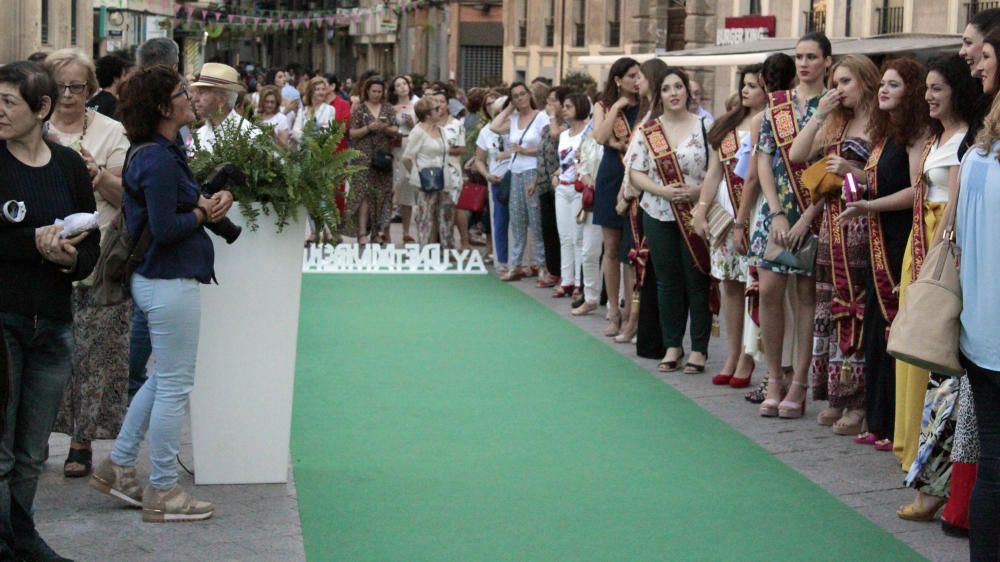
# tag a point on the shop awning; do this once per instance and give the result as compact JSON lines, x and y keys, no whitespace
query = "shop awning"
{"x":757,"y":51}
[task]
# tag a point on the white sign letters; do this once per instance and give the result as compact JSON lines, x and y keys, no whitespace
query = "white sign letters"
{"x":411,"y":258}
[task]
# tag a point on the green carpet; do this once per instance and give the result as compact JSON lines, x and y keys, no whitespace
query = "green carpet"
{"x":454,"y":418}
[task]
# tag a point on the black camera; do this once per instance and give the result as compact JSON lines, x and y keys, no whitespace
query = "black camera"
{"x":221,"y":177}
{"x":12,"y":212}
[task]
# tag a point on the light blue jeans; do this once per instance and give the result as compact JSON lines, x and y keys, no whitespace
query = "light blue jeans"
{"x":173,"y":309}
{"x":525,"y":212}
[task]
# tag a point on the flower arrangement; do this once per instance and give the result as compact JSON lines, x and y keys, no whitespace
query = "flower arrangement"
{"x":279,"y":182}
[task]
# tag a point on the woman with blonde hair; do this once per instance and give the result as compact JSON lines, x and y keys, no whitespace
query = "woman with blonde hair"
{"x":95,"y":400}
{"x":314,"y":108}
{"x":839,"y":129}
{"x":426,"y":161}
{"x":269,"y":110}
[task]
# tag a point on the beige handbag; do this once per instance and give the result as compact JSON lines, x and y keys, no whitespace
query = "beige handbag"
{"x":719,"y":222}
{"x":926,"y":330}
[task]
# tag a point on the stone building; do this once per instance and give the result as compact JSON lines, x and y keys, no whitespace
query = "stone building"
{"x":44,"y":25}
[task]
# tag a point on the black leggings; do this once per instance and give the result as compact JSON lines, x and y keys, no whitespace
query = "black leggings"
{"x":984,"y":512}
{"x":550,"y":233}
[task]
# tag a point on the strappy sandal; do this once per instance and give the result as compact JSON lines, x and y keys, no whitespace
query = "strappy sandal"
{"x":854,"y":424}
{"x":790,"y":410}
{"x":770,"y":407}
{"x":81,"y":457}
{"x":757,"y":395}
{"x":694,"y":368}
{"x":562,"y":292}
{"x":670,"y":366}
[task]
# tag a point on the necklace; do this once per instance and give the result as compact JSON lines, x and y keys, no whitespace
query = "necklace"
{"x":76,"y":145}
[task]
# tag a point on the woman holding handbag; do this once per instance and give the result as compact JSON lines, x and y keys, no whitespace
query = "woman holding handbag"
{"x":373,"y":125}
{"x":839,"y":129}
{"x":668,"y":163}
{"x":899,"y":131}
{"x":580,"y":239}
{"x":454,"y":136}
{"x":723,"y":189}
{"x":426,"y":161}
{"x":788,"y":219}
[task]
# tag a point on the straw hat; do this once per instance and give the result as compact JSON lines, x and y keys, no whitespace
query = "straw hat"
{"x":218,"y":75}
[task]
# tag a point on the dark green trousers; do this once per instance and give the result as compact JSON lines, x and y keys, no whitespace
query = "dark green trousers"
{"x":680,"y":287}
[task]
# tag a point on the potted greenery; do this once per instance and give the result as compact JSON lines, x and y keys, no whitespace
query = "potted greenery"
{"x":241,"y":405}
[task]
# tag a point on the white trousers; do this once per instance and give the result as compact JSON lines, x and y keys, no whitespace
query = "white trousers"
{"x":579,"y":244}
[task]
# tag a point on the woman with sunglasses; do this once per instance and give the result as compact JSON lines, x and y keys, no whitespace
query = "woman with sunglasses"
{"x":95,"y":400}
{"x":166,"y":288}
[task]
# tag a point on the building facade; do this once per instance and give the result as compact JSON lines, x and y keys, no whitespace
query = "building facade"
{"x":44,"y":25}
{"x":123,"y":25}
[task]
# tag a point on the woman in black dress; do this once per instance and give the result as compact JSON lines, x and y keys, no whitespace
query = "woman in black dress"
{"x":615,"y":116}
{"x":898,"y":131}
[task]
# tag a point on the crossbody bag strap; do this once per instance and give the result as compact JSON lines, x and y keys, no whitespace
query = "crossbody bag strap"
{"x":523,"y":133}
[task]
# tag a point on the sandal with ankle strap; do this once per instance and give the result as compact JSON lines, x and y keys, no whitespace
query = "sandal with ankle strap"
{"x":670,"y":366}
{"x":791,"y":410}
{"x":82,"y":457}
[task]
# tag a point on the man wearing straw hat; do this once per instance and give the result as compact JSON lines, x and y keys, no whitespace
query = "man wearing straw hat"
{"x":214,"y":95}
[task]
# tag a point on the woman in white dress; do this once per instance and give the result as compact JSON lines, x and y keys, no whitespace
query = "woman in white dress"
{"x":314,"y":108}
{"x":401,"y":98}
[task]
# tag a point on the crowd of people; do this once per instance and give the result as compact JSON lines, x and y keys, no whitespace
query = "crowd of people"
{"x":798,"y":219}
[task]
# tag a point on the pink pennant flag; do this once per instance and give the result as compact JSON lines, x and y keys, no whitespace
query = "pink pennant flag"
{"x":231,"y":17}
{"x":189,"y":10}
{"x":204,"y":14}
{"x":243,"y":20}
{"x":308,"y":22}
{"x":218,"y":16}
{"x":268,"y":22}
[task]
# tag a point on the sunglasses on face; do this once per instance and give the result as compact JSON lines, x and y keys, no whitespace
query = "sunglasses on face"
{"x":72,"y":88}
{"x":183,"y":92}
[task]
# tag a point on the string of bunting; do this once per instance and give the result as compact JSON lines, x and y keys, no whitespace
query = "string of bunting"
{"x":279,"y":20}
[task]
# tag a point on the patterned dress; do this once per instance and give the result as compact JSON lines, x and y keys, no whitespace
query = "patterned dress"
{"x":370,"y":184}
{"x":768,"y":145}
{"x":727,"y":263}
{"x":828,"y":360}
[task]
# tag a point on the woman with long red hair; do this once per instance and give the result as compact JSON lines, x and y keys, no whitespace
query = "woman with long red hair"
{"x":899,"y":130}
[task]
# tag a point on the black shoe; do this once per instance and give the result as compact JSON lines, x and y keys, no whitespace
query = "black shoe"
{"x":954,"y":530}
{"x":578,"y":303}
{"x":37,"y":551}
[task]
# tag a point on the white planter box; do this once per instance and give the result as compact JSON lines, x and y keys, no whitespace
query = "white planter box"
{"x":241,"y":407}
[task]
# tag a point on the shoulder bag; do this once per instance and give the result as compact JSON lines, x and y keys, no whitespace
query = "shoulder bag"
{"x":432,"y":179}
{"x":120,"y":255}
{"x":926,"y":330}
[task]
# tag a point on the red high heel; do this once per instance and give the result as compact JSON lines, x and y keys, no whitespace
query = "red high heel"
{"x":738,"y":382}
{"x":722,"y":379}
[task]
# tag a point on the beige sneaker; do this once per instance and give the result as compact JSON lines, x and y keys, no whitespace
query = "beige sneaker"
{"x":173,"y":505}
{"x":118,"y":482}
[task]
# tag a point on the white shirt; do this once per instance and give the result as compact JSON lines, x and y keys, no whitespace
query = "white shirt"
{"x":207,"y":134}
{"x":568,"y":147}
{"x":322,"y":116}
{"x":493,"y":144}
{"x":690,"y":156}
{"x":941,"y":157}
{"x":532,"y":138}
{"x":454,"y":135}
{"x":279,"y":121}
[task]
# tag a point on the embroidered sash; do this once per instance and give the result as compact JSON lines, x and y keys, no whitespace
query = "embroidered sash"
{"x":785,"y":128}
{"x":847,"y":310}
{"x":919,"y":244}
{"x":728,"y":151}
{"x":670,"y":172}
{"x":620,"y":129}
{"x":885,"y":285}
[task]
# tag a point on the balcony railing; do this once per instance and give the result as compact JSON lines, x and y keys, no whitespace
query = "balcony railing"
{"x":815,"y":21}
{"x":890,"y":20}
{"x":973,"y":8}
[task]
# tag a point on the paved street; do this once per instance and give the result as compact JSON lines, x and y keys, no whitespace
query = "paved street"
{"x":262,"y":522}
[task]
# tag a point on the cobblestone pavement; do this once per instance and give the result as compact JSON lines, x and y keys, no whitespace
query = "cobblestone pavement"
{"x":867,"y":480}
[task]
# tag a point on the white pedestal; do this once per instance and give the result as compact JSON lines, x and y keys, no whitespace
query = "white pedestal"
{"x":241,"y":407}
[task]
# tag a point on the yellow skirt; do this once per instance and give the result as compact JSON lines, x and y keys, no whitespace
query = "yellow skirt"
{"x":911,"y":382}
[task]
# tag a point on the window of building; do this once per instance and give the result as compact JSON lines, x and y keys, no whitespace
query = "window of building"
{"x":72,"y":22}
{"x":550,"y":24}
{"x":579,"y":23}
{"x":481,"y":65}
{"x":522,"y":23}
{"x":816,"y":16}
{"x":615,"y":23}
{"x":45,"y":22}
{"x":890,"y":16}
{"x":753,"y":8}
{"x":974,"y":7}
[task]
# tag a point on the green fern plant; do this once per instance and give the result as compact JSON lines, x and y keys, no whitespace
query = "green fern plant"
{"x":280,"y":182}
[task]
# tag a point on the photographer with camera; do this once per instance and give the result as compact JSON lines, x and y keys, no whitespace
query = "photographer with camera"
{"x":165,"y":287}
{"x":37,"y":270}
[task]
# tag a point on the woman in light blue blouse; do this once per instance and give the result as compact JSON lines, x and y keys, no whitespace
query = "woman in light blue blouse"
{"x":978,"y":231}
